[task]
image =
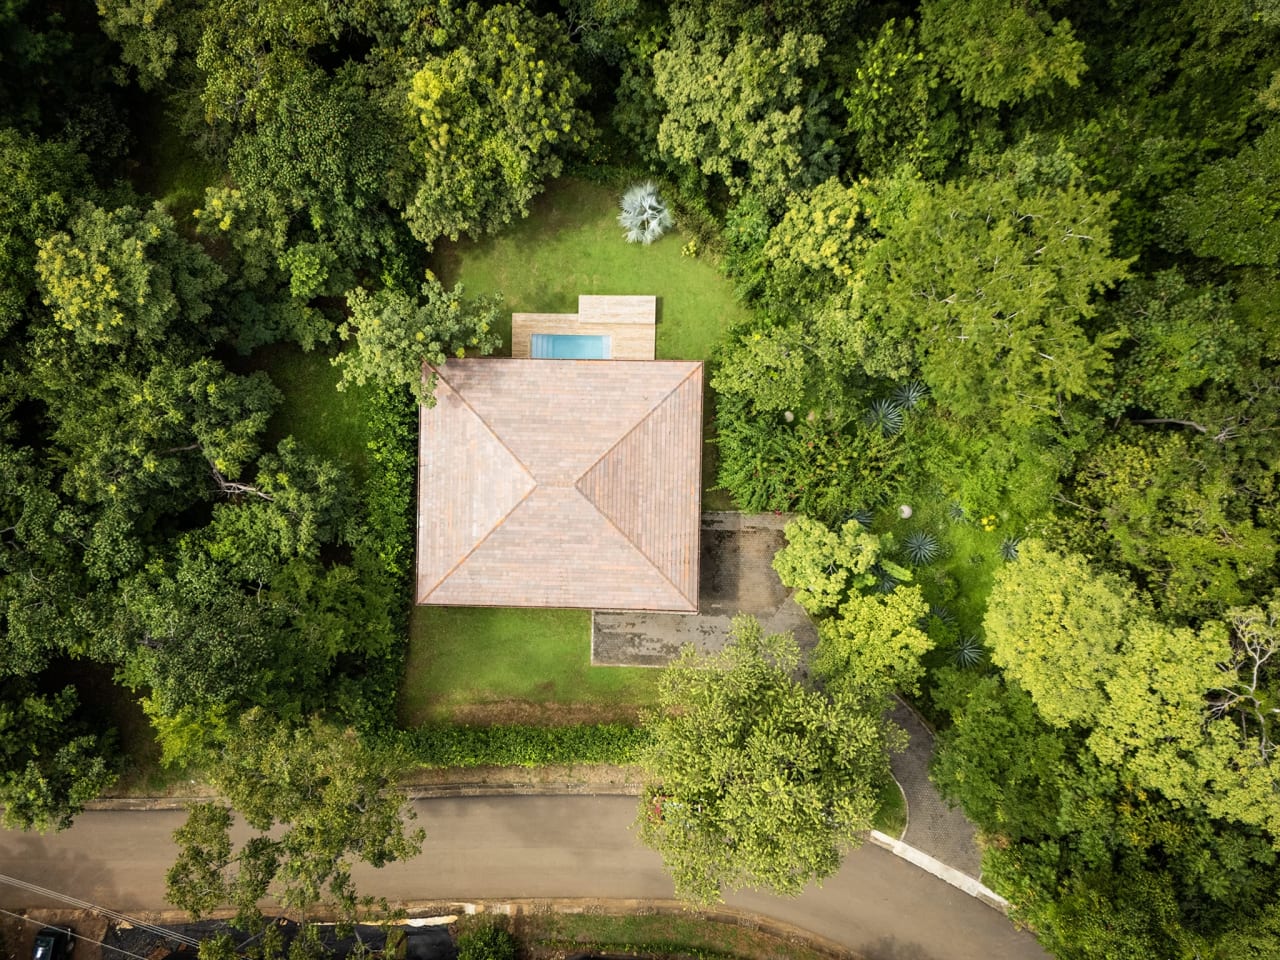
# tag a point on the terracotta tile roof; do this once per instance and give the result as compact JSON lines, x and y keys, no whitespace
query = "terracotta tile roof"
{"x":561,"y":483}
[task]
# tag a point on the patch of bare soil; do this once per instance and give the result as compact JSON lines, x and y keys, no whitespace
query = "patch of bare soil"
{"x":18,"y":933}
{"x":543,"y":714}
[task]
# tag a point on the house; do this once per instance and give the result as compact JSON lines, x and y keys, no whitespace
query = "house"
{"x":561,"y":483}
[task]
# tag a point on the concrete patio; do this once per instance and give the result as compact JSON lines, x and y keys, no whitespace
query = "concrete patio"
{"x":736,"y":577}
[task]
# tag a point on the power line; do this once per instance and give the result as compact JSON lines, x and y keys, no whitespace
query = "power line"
{"x":78,"y":936}
{"x":104,"y":911}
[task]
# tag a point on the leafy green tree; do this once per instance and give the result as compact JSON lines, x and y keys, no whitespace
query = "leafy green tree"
{"x":396,"y":334}
{"x":1091,"y":655}
{"x":51,"y":762}
{"x":123,"y":277}
{"x":1103,"y":868}
{"x":39,"y":182}
{"x":129,"y":436}
{"x":898,"y":108}
{"x":1171,"y":508}
{"x":825,"y":567}
{"x":496,"y":115}
{"x":999,"y":53}
{"x":317,"y":798}
{"x":873,"y":643}
{"x":995,"y":278}
{"x":316,"y":164}
{"x":750,"y":778}
{"x":744,"y":110}
{"x":1232,"y":211}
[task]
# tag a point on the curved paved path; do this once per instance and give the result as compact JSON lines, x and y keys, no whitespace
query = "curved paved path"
{"x":940,"y":830}
{"x":541,"y":847}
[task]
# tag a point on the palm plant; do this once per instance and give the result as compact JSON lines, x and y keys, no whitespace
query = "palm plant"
{"x":644,"y":214}
{"x":943,"y":615}
{"x":884,"y":415}
{"x":921,"y":547}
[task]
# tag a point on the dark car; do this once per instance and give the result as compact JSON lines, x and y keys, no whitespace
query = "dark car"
{"x":53,"y":943}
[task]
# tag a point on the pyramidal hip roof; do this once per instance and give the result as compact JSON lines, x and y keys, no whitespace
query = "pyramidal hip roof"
{"x":561,"y":483}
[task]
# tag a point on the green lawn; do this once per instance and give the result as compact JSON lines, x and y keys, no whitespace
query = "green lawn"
{"x":325,"y":421}
{"x":571,"y":244}
{"x":491,"y":665}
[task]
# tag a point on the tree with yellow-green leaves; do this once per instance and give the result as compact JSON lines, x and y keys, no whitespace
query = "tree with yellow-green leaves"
{"x":495,"y":116}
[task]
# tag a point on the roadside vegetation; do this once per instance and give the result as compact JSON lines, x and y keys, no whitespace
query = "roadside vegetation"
{"x":989,"y":295}
{"x":659,"y":936}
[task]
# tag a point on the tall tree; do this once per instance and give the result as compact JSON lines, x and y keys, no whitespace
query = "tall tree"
{"x":396,"y":333}
{"x":317,"y":799}
{"x":496,"y":116}
{"x":751,"y":779}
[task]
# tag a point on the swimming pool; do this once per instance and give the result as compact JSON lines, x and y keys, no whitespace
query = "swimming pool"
{"x":566,"y":346}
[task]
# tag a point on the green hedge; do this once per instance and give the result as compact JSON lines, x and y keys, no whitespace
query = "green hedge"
{"x":521,"y":745}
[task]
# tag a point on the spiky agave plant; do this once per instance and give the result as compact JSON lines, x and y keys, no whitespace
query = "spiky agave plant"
{"x":921,"y":547}
{"x":910,"y":394}
{"x":884,"y":415}
{"x":644,"y":214}
{"x":967,"y":652}
{"x":1009,"y":548}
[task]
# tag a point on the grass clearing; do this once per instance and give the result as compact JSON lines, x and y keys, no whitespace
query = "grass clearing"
{"x":327,"y":422}
{"x":571,"y":244}
{"x":891,"y":814}
{"x":501,"y":665}
{"x":521,"y":665}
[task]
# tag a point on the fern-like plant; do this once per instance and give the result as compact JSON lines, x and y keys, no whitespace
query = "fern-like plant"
{"x":884,"y":415}
{"x":921,"y":547}
{"x":644,"y":215}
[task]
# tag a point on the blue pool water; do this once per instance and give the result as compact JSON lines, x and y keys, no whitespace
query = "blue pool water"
{"x":564,"y":346}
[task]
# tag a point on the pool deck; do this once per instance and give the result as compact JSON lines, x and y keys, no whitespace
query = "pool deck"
{"x":629,"y":322}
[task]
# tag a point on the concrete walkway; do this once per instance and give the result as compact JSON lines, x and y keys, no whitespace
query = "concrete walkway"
{"x":735,"y":576}
{"x":941,"y":831}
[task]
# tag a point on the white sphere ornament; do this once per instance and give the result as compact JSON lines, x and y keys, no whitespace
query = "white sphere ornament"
{"x":788,"y":416}
{"x":904,"y":512}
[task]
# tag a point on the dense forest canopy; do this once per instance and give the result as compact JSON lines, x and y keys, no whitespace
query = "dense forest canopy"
{"x":1016,"y":264}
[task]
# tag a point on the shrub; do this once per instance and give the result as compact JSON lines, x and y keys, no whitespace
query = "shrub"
{"x":521,"y":745}
{"x":644,"y":214}
{"x":489,"y":942}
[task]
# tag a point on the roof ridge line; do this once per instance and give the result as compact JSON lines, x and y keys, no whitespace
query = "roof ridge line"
{"x":422,"y":597}
{"x":635,"y":546}
{"x":636,"y":426}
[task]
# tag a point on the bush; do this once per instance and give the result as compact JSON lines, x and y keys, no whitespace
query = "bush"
{"x":522,"y":745}
{"x":393,"y":465}
{"x":486,"y":943}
